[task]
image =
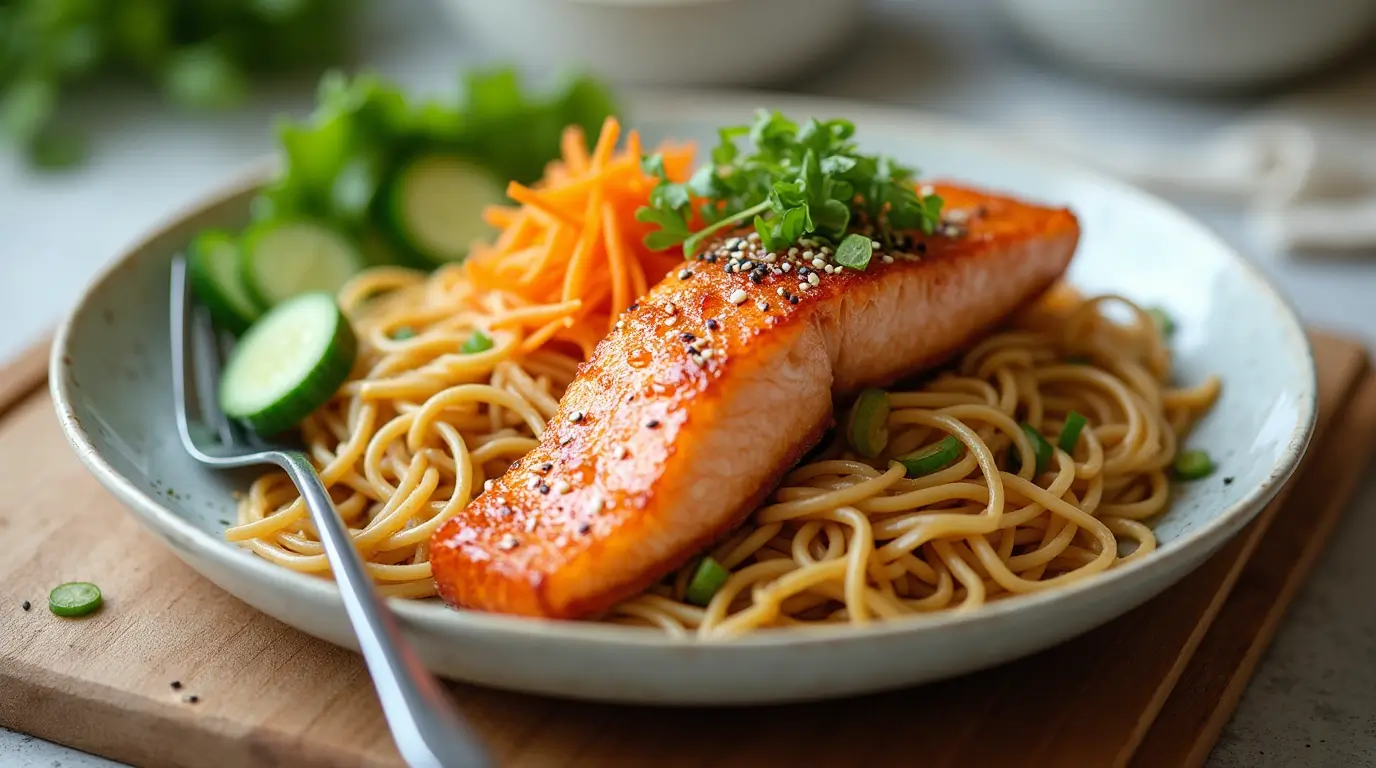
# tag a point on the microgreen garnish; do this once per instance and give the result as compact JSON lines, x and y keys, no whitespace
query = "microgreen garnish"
{"x":855,"y":252}
{"x":798,"y":181}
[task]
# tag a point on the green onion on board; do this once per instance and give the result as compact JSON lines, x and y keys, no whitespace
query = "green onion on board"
{"x":75,"y":598}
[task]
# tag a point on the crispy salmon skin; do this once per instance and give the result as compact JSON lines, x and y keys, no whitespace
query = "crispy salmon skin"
{"x":714,"y":385}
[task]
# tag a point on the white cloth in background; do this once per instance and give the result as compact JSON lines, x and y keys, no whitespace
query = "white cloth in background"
{"x":1304,"y":166}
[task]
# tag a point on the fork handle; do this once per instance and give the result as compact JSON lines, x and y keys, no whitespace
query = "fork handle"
{"x":427,"y":729}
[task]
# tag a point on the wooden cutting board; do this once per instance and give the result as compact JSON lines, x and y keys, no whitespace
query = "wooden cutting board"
{"x":1153,"y":688}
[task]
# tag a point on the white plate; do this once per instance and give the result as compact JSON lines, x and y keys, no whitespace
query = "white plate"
{"x":110,"y":382}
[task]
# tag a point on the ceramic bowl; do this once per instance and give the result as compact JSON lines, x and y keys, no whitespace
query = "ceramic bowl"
{"x":664,"y":42}
{"x":1196,"y":43}
{"x":111,"y":385}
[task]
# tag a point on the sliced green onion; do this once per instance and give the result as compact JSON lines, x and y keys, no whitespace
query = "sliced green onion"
{"x":75,"y":598}
{"x":1163,"y":321}
{"x":403,"y":333}
{"x":478,"y":342}
{"x":931,"y":458}
{"x":869,"y":423}
{"x":855,"y":252}
{"x":707,"y":579}
{"x":1193,"y":465}
{"x":1040,"y":447}
{"x":1070,"y":433}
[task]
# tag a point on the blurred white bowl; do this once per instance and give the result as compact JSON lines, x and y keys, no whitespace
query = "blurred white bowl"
{"x":1211,"y":43}
{"x":662,"y":42}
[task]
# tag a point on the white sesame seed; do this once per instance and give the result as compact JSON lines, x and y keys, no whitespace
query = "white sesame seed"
{"x":576,"y":416}
{"x":671,"y":309}
{"x":620,"y":324}
{"x":508,"y":542}
{"x":534,"y":483}
{"x":771,"y":257}
{"x":707,"y":354}
{"x":487,"y":484}
{"x":828,"y":269}
{"x":786,"y":266}
{"x":561,"y":487}
{"x":814,"y":279}
{"x":762,"y":305}
{"x":566,"y":439}
{"x":733,"y":242}
{"x":958,"y":216}
{"x":685,"y":274}
{"x":792,"y":251}
{"x":887,"y":259}
{"x":530,"y":523}
{"x":596,"y":504}
{"x":826,"y":250}
{"x":753,"y":237}
{"x":673,"y":320}
{"x":818,"y":263}
{"x":803,"y":286}
{"x":808,"y":254}
{"x":738,"y":297}
{"x":781,"y":291}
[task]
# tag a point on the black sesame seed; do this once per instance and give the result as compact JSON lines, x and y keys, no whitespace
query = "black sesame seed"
{"x":921,"y":247}
{"x":792,"y":299}
{"x":1227,"y":481}
{"x":26,"y":605}
{"x":634,"y":306}
{"x":713,"y":325}
{"x":757,"y":277}
{"x":584,"y":527}
{"x":652,"y":424}
{"x":547,"y":466}
{"x":544,"y":489}
{"x":688,"y":337}
{"x":176,"y":685}
{"x":192,"y":699}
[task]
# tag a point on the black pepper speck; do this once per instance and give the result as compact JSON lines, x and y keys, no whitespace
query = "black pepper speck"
{"x":652,"y":424}
{"x":192,"y":699}
{"x":176,"y":685}
{"x":544,"y":489}
{"x":26,"y":605}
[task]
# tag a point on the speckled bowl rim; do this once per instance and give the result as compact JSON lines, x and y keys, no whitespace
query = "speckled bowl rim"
{"x":670,"y":105}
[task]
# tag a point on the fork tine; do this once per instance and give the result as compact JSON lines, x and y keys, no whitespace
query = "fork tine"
{"x":205,"y":350}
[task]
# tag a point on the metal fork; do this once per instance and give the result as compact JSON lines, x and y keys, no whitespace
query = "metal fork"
{"x":425,"y":726}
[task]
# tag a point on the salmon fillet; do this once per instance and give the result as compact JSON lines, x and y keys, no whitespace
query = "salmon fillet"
{"x":710,"y":389}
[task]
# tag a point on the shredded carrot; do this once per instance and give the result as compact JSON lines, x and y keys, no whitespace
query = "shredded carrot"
{"x":570,"y":251}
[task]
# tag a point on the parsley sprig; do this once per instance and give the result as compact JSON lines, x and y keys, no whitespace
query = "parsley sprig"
{"x":796,"y":181}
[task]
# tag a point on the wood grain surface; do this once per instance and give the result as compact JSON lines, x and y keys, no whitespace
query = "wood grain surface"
{"x":266,"y":694}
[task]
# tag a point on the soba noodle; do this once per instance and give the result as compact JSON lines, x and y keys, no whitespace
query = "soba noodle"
{"x":416,"y":432}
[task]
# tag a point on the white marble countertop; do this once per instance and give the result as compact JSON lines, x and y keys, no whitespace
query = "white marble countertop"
{"x":1313,"y":700}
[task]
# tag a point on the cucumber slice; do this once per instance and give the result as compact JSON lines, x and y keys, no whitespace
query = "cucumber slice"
{"x":434,"y":206}
{"x":282,"y":259}
{"x":213,"y":269}
{"x":288,"y":364}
